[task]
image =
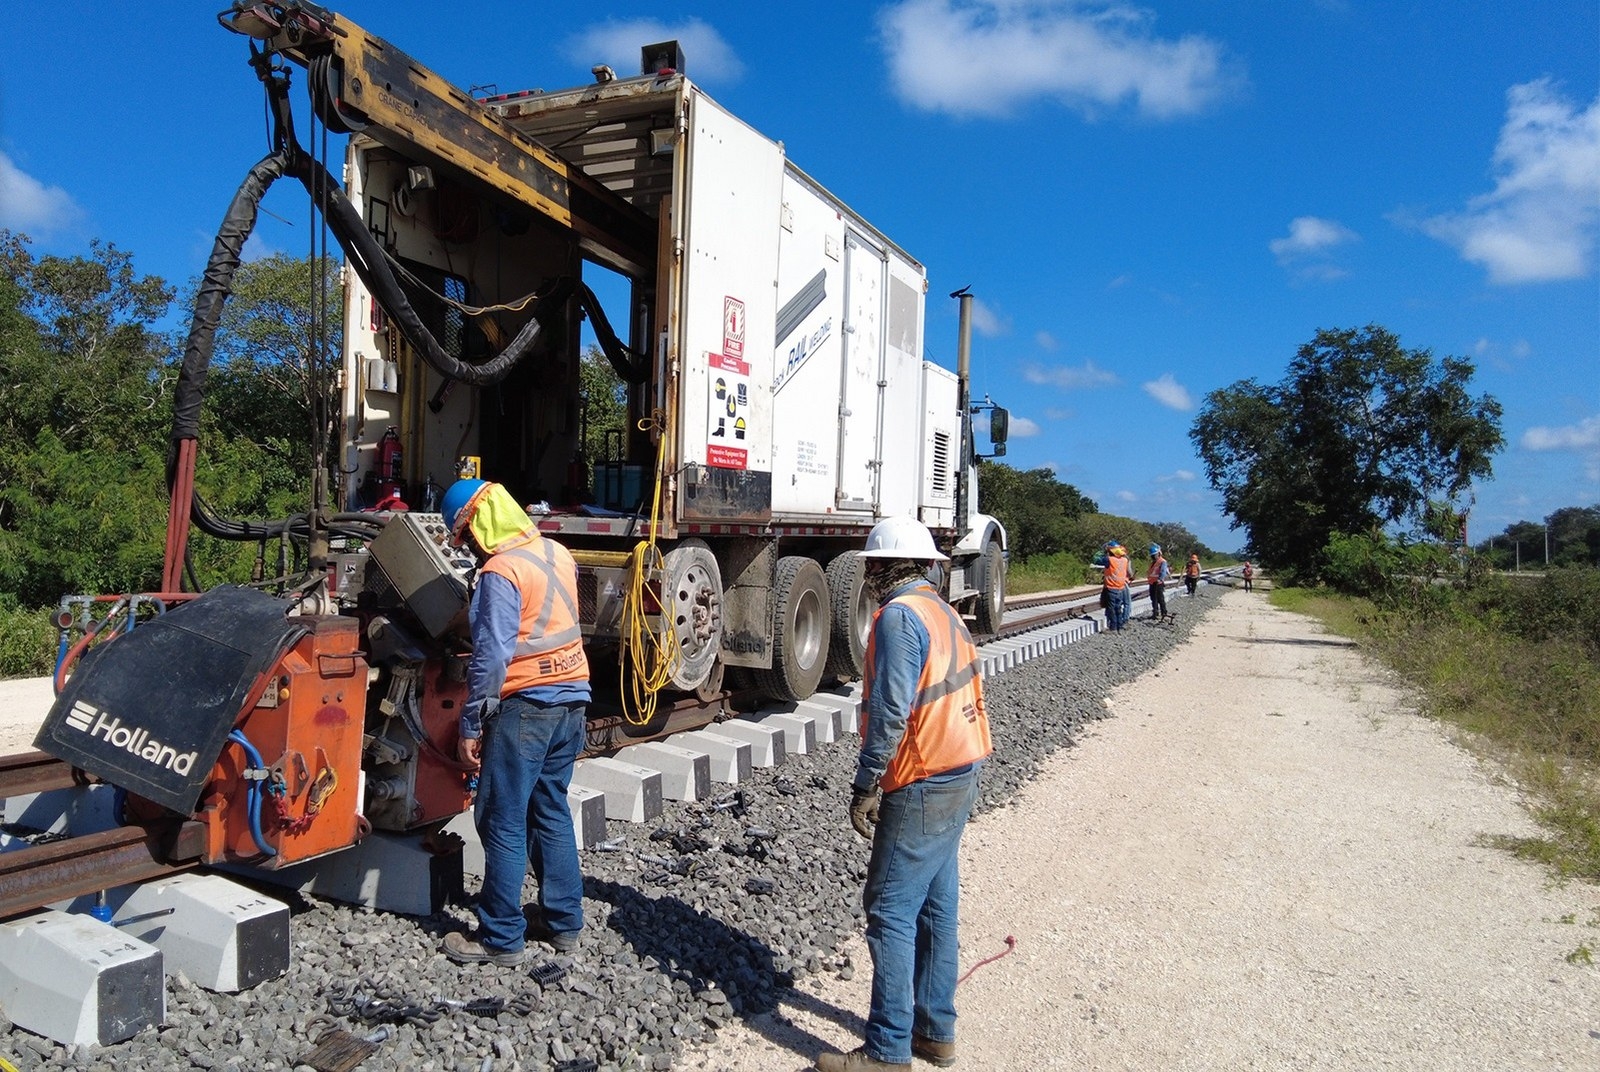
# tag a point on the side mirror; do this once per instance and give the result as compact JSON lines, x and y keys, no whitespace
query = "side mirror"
{"x":999,"y":427}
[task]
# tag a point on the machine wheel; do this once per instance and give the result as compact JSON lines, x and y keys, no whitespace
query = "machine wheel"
{"x":800,"y":634}
{"x":714,"y":684}
{"x":852,"y":617}
{"x":990,"y":574}
{"x":691,"y":589}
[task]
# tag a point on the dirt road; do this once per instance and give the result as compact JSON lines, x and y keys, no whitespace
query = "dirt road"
{"x":1265,"y":860}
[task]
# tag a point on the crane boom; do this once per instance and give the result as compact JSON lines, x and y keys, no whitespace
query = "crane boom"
{"x":376,"y":89}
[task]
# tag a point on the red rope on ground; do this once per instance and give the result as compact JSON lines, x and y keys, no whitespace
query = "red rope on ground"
{"x":1011,"y":945}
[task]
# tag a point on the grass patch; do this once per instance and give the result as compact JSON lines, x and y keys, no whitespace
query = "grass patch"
{"x":1533,"y":705}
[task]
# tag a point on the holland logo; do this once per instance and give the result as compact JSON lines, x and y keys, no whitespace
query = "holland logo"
{"x":86,"y":718}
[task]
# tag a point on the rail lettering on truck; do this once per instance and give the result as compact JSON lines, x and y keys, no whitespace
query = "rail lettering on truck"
{"x":800,"y":352}
{"x":727,"y":424}
{"x":86,"y":718}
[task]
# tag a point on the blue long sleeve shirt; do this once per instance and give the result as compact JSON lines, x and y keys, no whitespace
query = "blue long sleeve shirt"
{"x":495,"y":614}
{"x":899,"y":649}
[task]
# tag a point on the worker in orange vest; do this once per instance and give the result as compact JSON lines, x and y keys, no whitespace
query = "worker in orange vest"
{"x":523,"y":724}
{"x":1191,"y":574}
{"x":1116,"y":593}
{"x":924,"y":737}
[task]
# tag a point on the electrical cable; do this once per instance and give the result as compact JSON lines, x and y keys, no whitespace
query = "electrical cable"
{"x":1011,"y":945}
{"x":652,"y":654}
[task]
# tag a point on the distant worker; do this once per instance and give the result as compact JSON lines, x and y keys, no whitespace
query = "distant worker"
{"x":523,"y":724}
{"x":1116,"y":594}
{"x":924,"y":737}
{"x":1249,"y":574}
{"x":1191,"y":574}
{"x":1156,"y":576}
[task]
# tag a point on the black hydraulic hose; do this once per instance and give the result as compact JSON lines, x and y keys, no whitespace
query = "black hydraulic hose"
{"x":367,"y":257}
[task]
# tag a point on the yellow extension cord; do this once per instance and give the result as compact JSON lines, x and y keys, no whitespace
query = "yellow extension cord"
{"x":652,"y":654}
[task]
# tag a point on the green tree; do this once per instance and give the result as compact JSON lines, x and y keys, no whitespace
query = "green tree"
{"x":83,"y":391}
{"x":603,"y":411}
{"x":1360,"y":434}
{"x":1033,"y":505}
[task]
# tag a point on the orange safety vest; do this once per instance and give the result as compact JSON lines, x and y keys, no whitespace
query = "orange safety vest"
{"x":1153,"y":575}
{"x":948,"y":726}
{"x":1192,"y":570}
{"x":1118,"y":572}
{"x":549,"y":640}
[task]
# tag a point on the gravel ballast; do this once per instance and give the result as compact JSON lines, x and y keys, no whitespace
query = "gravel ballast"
{"x":708,"y":915}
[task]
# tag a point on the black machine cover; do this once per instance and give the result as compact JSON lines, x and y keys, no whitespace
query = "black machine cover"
{"x":151,"y":710}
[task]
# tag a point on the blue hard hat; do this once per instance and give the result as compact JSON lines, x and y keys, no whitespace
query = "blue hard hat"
{"x":1155,"y":549}
{"x":455,"y":500}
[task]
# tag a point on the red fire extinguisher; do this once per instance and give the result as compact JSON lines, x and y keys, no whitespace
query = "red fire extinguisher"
{"x":391,"y":462}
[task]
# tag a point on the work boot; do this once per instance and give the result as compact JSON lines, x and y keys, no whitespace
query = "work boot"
{"x":933,"y":1051}
{"x":464,"y":950}
{"x":560,"y":941}
{"x":857,"y":1060}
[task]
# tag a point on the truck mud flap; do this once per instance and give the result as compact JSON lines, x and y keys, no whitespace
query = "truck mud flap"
{"x":151,"y":710}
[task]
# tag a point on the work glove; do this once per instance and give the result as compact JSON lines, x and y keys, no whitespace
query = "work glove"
{"x":864,"y":810}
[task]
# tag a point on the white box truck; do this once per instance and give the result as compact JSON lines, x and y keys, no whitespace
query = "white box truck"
{"x":765,"y":339}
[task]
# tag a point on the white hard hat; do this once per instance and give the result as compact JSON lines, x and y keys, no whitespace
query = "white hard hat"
{"x":902,"y":537}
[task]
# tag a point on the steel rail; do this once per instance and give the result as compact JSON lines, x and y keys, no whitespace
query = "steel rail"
{"x":61,"y":870}
{"x":34,"y":772}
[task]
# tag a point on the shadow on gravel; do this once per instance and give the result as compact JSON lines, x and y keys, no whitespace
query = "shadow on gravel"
{"x":705,"y":954}
{"x":1302,"y":642}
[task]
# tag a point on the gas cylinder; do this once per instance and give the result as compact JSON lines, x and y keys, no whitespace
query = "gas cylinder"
{"x":391,"y":463}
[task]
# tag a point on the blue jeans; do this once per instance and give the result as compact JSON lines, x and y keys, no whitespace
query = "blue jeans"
{"x":911,"y":897}
{"x":523,"y":818}
{"x":1120,"y":608}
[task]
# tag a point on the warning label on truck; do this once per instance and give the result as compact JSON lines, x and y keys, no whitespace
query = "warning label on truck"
{"x":727,"y":423}
{"x":733,"y":327}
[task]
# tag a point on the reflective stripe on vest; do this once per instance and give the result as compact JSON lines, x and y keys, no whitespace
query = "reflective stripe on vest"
{"x":1153,"y":575}
{"x":549,"y":646}
{"x":947,"y":726}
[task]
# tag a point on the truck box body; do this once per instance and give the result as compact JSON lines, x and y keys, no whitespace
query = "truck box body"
{"x":783,"y":333}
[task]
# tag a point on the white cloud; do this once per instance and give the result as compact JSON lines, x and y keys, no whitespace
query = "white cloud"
{"x":1541,"y":220}
{"x":1585,"y":435}
{"x":1170,"y":393}
{"x":1086,"y":375}
{"x":1045,"y":341}
{"x":1127,"y":496}
{"x":706,"y":56}
{"x":990,"y":57}
{"x":1176,"y":474}
{"x":1307,"y":250}
{"x":986,"y":321}
{"x":29,"y":206}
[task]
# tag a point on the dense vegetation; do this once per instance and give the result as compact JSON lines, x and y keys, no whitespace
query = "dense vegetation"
{"x":1054,"y":530}
{"x":86,"y":379}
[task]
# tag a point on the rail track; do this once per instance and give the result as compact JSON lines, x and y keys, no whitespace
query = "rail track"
{"x":55,"y":868}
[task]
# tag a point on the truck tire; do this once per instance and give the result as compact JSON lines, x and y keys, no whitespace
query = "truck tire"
{"x":990,"y":577}
{"x":691,"y":589}
{"x":852,"y":617}
{"x":800,"y":632}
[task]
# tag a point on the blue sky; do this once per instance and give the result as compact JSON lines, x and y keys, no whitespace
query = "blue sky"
{"x":1151,"y":201}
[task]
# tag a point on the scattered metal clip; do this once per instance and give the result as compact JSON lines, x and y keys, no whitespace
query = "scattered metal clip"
{"x":548,"y":973}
